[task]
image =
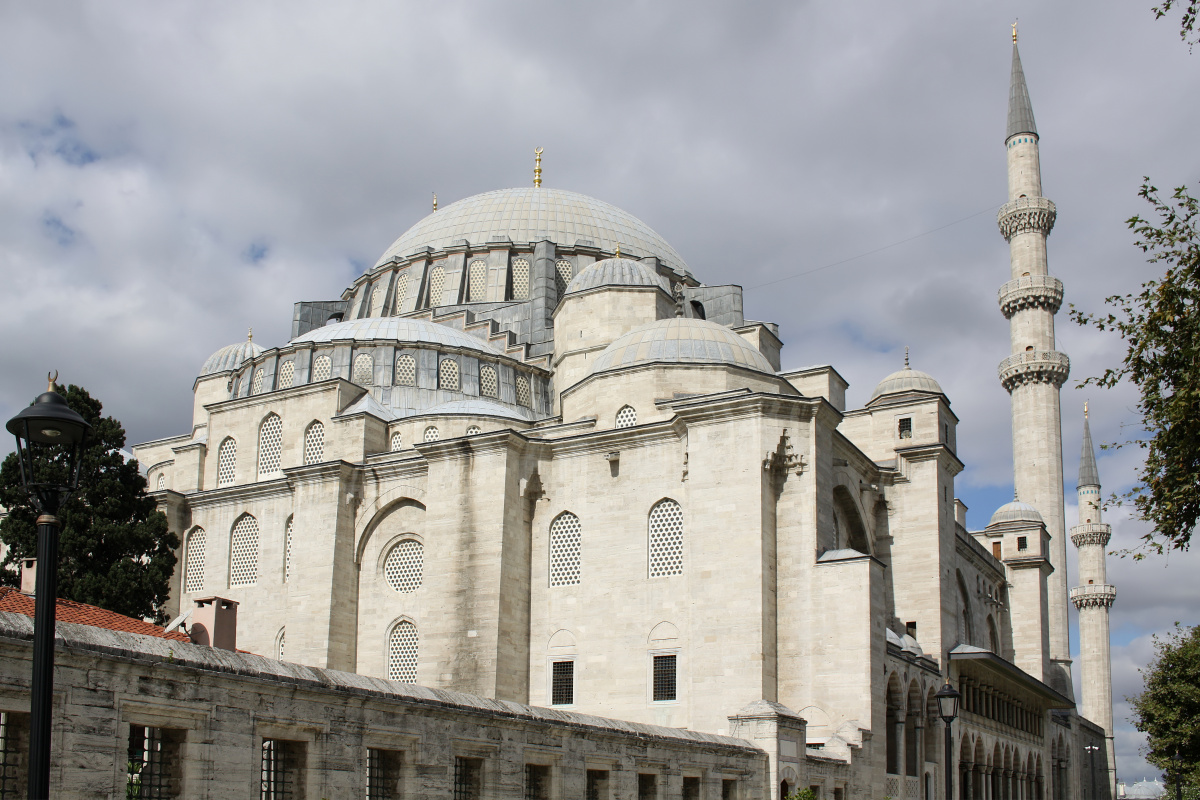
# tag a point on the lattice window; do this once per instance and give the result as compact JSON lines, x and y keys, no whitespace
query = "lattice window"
{"x":287,"y":371}
{"x":402,"y":653}
{"x":406,"y":370}
{"x":565,"y":540}
{"x":489,"y":381}
{"x":270,"y":446}
{"x":562,"y":683}
{"x":280,"y":770}
{"x":520,"y":279}
{"x":448,"y":374}
{"x":666,"y":539}
{"x":322,"y":368}
{"x":432,"y":434}
{"x":287,"y":551}
{"x":152,"y":763}
{"x":256,"y":386}
{"x":383,"y":774}
{"x":364,"y":369}
{"x":401,"y":291}
{"x":376,"y":301}
{"x":397,"y":441}
{"x":162,"y":481}
{"x":626,"y":417}
{"x":562,"y":275}
{"x":522,"y":391}
{"x":437,"y":286}
{"x":243,"y":552}
{"x":227,"y":463}
{"x":193,"y":563}
{"x":14,"y":752}
{"x":281,"y":645}
{"x":664,"y":678}
{"x":905,"y":428}
{"x":314,"y":443}
{"x":474,"y":430}
{"x":404,"y":566}
{"x":477,"y":281}
{"x":537,"y":782}
{"x":468,"y":778}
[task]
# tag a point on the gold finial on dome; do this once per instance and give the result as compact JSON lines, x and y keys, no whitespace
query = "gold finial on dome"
{"x":618,"y":250}
{"x":250,"y":335}
{"x":1014,"y":31}
{"x":51,"y":380}
{"x":906,"y":357}
{"x":435,"y":201}
{"x":537,"y":167}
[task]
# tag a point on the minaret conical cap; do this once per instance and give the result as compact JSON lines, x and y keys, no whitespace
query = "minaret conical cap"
{"x":1088,"y":474}
{"x":1020,"y":110}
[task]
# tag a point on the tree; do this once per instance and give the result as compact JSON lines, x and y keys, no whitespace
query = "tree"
{"x":1168,"y":709}
{"x":1188,"y":25}
{"x":1161,"y":329}
{"x":116,"y":551}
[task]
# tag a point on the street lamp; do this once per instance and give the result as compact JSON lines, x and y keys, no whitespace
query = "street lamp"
{"x":1091,"y":751}
{"x":947,"y":700}
{"x":1178,"y":775}
{"x":49,"y":435}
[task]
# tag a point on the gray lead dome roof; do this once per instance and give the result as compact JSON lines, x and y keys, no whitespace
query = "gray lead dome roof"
{"x":906,"y":380}
{"x":530,"y":215}
{"x":397,"y":329}
{"x":681,"y":340}
{"x":616,"y":272}
{"x":230,"y":357}
{"x":1016,"y":511}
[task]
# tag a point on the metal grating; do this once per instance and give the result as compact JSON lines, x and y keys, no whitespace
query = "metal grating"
{"x":402,"y":653}
{"x":437,"y":286}
{"x":477,"y":281}
{"x":537,"y":782}
{"x":520,"y":279}
{"x":270,"y":446}
{"x":287,"y":551}
{"x":278,"y":770}
{"x":243,"y":552}
{"x":489,"y":382}
{"x":364,"y":369}
{"x":562,"y":683}
{"x":448,"y":374}
{"x":666,"y":539}
{"x":401,"y":291}
{"x":468,"y":778}
{"x":597,"y":785}
{"x":162,"y":481}
{"x":257,"y":384}
{"x":474,"y":430}
{"x":406,"y":370}
{"x":383,"y":774}
{"x":322,"y":368}
{"x":664,"y":678}
{"x":626,"y":417}
{"x":14,"y":750}
{"x":314,"y":443}
{"x":565,"y":539}
{"x":405,"y":565}
{"x":287,"y":370}
{"x":148,"y":767}
{"x":432,"y":434}
{"x":193,"y":568}
{"x":562,"y":275}
{"x":522,"y":391}
{"x":281,"y":647}
{"x":227,"y":463}
{"x":397,"y":441}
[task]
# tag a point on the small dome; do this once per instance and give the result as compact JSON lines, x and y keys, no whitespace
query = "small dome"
{"x":906,"y":380}
{"x":1016,"y":511}
{"x":230,"y":357}
{"x":909,"y":645}
{"x":397,"y":329}
{"x":616,"y":272}
{"x":681,"y":340}
{"x":1145,"y":790}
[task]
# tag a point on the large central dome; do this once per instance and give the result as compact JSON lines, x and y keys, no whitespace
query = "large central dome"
{"x":531,"y":215}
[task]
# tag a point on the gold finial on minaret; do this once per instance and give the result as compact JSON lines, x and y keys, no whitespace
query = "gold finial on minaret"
{"x":435,"y":201}
{"x":1014,"y":31}
{"x":906,"y":357}
{"x":537,"y":167}
{"x":250,"y":335}
{"x":51,"y":380}
{"x":1085,"y":402}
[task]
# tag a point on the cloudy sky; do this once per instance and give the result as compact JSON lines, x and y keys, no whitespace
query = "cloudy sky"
{"x":174,"y":173}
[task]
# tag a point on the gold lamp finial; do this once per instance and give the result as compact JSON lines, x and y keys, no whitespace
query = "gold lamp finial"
{"x":1085,"y":402}
{"x":250,"y":334}
{"x":1014,"y":31}
{"x":618,"y":249}
{"x":537,"y":167}
{"x":51,"y":380}
{"x":435,"y":201}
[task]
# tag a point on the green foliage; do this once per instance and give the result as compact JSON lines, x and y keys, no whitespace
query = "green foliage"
{"x":802,"y":794}
{"x":1168,"y":709}
{"x":1188,"y":26}
{"x":115,"y":550}
{"x":1161,"y":329}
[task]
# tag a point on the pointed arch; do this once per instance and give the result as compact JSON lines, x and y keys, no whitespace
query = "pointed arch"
{"x":966,"y":633}
{"x":403,"y":650}
{"x":227,"y":462}
{"x":270,"y":445}
{"x":193,"y":561}
{"x":849,"y":529}
{"x":666,"y":542}
{"x":243,"y":551}
{"x":565,"y":550}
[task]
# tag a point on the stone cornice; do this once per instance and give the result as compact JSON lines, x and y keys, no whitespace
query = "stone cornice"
{"x":1094,"y":595}
{"x":501,"y":441}
{"x":1034,"y":366}
{"x":742,"y":403}
{"x":1030,"y":291}
{"x":1092,"y":533}
{"x":190,"y":446}
{"x":319,"y":473}
{"x":1025,"y":215}
{"x":279,"y":394}
{"x":228,"y":495}
{"x":929,"y":452}
{"x":612,"y":440}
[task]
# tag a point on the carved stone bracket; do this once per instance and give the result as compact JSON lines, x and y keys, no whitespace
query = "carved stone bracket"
{"x":1094,"y":595}
{"x":1094,"y":533}
{"x":1034,"y":366}
{"x":1026,"y":214}
{"x":782,"y":460}
{"x":1031,"y":291}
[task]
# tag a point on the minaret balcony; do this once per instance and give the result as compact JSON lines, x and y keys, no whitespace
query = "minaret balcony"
{"x":1091,"y":533}
{"x":1034,"y":366}
{"x":1025,"y":215}
{"x":1031,"y":291}
{"x":1094,"y":595}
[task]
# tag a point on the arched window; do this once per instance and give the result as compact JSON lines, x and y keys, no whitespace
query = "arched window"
{"x":966,"y":634}
{"x":397,"y":441}
{"x":322,"y":368}
{"x":437,"y":285}
{"x":474,"y":430}
{"x":256,"y":386}
{"x":406,"y":370}
{"x":520,"y":279}
{"x":432,"y":434}
{"x":193,"y":562}
{"x":287,"y":551}
{"x":626,"y":417}
{"x":404,"y":566}
{"x":448,"y":374}
{"x":666,"y":539}
{"x":993,"y":636}
{"x":562,"y":275}
{"x":489,"y":382}
{"x":279,"y":644}
{"x":565,"y":540}
{"x":402,"y":653}
{"x":522,"y":391}
{"x":227,"y":462}
{"x":401,"y":291}
{"x":314,"y":443}
{"x":162,"y":481}
{"x":364,"y":369}
{"x":270,"y":444}
{"x":243,"y":552}
{"x":286,"y":371}
{"x":376,"y":301}
{"x":477,"y":282}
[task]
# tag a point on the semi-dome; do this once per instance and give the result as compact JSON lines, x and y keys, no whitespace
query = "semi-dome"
{"x":532,"y":214}
{"x":616,"y":272}
{"x":397,"y":329}
{"x":475,"y":407}
{"x":1016,"y":511}
{"x":906,"y":380}
{"x":682,"y":340}
{"x":230,"y":357}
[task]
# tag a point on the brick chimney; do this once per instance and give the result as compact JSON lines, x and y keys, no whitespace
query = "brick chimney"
{"x":214,"y":622}
{"x":28,"y":575}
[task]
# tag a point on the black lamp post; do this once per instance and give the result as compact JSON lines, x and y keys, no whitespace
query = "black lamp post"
{"x":947,"y":700}
{"x":1091,"y":751}
{"x":49,"y":435}
{"x":1178,"y":760}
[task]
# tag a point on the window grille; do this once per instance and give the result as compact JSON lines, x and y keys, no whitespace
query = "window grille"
{"x":280,"y":770}
{"x":152,"y":763}
{"x":626,"y":417}
{"x":537,"y":782}
{"x":562,"y":683}
{"x":666,"y":539}
{"x":280,"y":648}
{"x":729,"y":789}
{"x":406,"y":370}
{"x":477,"y":281}
{"x":314,"y":443}
{"x":257,"y":384}
{"x":364,"y":369}
{"x":664,"y":678}
{"x":383,"y":774}
{"x":193,"y":567}
{"x":162,"y":481}
{"x":474,"y":430}
{"x":437,"y":286}
{"x":468,"y":778}
{"x":402,"y":653}
{"x":397,"y":441}
{"x":243,"y":552}
{"x":1022,"y":542}
{"x":906,"y":428}
{"x":448,"y":374}
{"x":520,"y":279}
{"x":322,"y":368}
{"x":405,"y":565}
{"x":287,"y":371}
{"x":287,"y":551}
{"x":270,"y":445}
{"x":376,"y":300}
{"x":401,"y":291}
{"x":489,"y":382}
{"x":522,"y":391}
{"x":597,"y":784}
{"x":227,"y":463}
{"x":565,"y":538}
{"x":691,"y":788}
{"x":562,"y":275}
{"x":647,"y":787}
{"x":432,"y":434}
{"x":14,"y":755}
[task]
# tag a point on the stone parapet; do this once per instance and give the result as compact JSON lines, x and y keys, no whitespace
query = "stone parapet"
{"x":1034,"y":366}
{"x":1092,"y":533}
{"x":1026,"y":214}
{"x":1031,"y":291}
{"x":1094,"y":595}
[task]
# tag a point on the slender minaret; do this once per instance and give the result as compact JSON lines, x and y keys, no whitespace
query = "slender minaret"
{"x":1035,"y":371}
{"x":1093,"y":597}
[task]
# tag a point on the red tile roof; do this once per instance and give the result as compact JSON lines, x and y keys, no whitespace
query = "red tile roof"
{"x":82,"y":614}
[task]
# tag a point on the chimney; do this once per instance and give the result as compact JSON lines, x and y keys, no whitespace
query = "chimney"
{"x":214,"y":622}
{"x":28,"y":575}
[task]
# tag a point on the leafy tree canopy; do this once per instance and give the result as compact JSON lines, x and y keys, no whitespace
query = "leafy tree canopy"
{"x":1161,"y":329}
{"x":1168,"y":709}
{"x":1189,"y":8}
{"x":115,"y":550}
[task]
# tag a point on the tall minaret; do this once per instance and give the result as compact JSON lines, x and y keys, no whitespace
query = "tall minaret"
{"x":1093,"y":597}
{"x":1035,"y":371}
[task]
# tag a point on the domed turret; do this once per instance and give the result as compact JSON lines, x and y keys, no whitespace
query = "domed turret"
{"x":682,"y":340}
{"x":616,"y":272}
{"x":1016,"y":511}
{"x":230,"y":357}
{"x":906,"y":380}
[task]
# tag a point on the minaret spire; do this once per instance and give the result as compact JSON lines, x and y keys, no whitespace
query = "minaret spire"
{"x":1020,"y":109}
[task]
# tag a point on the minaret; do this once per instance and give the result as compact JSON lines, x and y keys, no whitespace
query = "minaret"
{"x":1093,"y":597}
{"x":1035,"y":371}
